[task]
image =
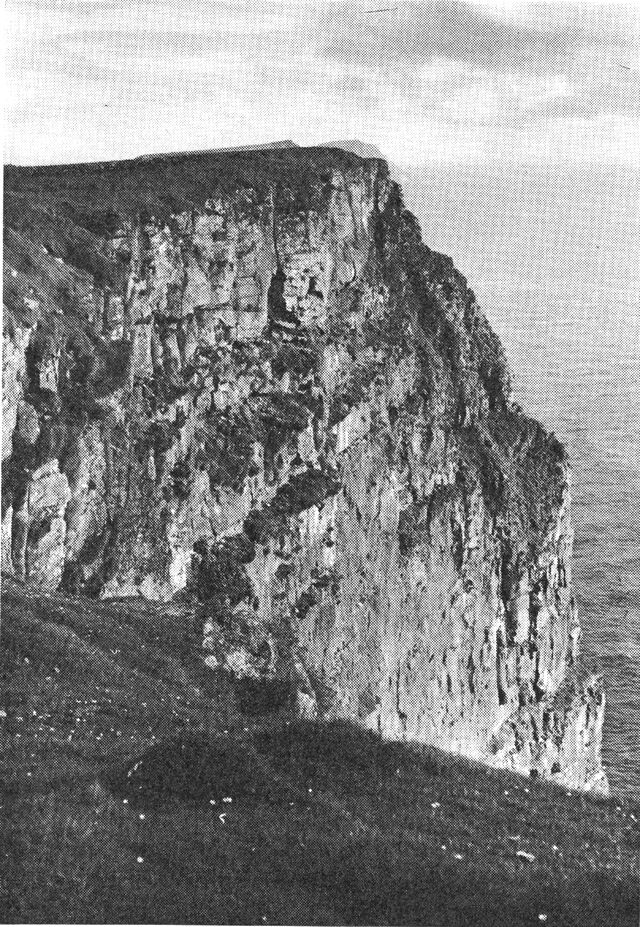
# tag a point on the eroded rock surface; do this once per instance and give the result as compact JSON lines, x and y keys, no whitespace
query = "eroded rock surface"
{"x":244,"y":381}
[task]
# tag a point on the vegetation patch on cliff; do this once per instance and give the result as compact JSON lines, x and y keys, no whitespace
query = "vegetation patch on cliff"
{"x":301,"y":492}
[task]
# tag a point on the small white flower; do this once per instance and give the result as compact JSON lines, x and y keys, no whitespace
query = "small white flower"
{"x":227,"y":800}
{"x":458,"y":856}
{"x":141,"y":816}
{"x":141,"y":859}
{"x":542,"y":917}
{"x":125,"y":801}
{"x":435,"y":804}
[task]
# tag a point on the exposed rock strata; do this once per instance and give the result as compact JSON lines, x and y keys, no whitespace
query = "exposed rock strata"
{"x":244,"y":380}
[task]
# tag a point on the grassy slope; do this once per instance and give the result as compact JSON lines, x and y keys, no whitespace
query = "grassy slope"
{"x":327,"y":824}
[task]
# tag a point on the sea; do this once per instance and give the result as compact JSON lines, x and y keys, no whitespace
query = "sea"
{"x":553,"y":255}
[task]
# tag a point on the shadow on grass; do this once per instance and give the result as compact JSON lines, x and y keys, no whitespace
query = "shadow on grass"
{"x":196,"y":768}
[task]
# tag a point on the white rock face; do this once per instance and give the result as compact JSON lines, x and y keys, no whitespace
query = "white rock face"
{"x":14,"y":348}
{"x":37,"y":530}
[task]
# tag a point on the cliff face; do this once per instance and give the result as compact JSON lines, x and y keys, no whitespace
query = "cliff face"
{"x":244,"y":383}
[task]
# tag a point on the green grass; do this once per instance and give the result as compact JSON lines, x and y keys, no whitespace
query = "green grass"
{"x":327,"y":824}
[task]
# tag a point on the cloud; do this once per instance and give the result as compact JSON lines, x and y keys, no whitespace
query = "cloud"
{"x":418,"y":32}
{"x":449,"y":81}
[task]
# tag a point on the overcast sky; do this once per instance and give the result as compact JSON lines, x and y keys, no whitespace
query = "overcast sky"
{"x":426,"y":82}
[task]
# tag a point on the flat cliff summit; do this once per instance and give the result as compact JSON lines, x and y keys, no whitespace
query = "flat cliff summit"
{"x":239,"y":384}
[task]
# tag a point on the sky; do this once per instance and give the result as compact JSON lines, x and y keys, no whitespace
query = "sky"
{"x":448,"y":83}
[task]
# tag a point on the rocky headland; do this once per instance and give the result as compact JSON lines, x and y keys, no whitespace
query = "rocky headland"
{"x":241,"y":385}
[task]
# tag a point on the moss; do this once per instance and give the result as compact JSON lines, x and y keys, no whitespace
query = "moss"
{"x":48,"y":224}
{"x":228,"y":439}
{"x":39,"y":530}
{"x":306,"y":489}
{"x":441,"y":499}
{"x":300,"y":493}
{"x":277,"y":307}
{"x":181,"y":477}
{"x":261,"y":524}
{"x":89,"y":259}
{"x":299,"y":360}
{"x":417,"y":520}
{"x":281,"y":416}
{"x":411,"y":528}
{"x":354,"y":391}
{"x":481,"y":460}
{"x":221,"y":579}
{"x":102,"y":222}
{"x":16,"y":470}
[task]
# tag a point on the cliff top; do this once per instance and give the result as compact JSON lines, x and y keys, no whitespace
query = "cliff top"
{"x":270,"y":151}
{"x":177,"y":180}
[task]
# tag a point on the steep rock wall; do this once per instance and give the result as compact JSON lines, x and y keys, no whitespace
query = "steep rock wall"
{"x":245,"y":382}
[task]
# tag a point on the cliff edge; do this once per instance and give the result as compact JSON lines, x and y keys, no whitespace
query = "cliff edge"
{"x":240,"y":383}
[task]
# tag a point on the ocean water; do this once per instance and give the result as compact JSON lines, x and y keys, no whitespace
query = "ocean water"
{"x":554,"y":258}
{"x":593,"y":405}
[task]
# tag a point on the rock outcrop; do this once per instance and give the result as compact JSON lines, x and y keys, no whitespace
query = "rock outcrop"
{"x":243,"y":381}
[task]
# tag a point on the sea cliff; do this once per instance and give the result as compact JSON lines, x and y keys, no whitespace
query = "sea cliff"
{"x":242,"y":385}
